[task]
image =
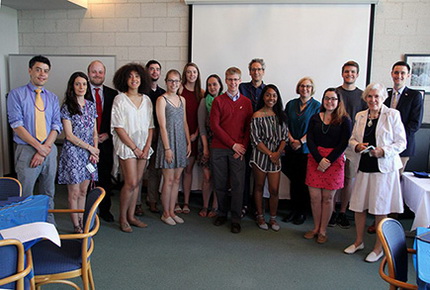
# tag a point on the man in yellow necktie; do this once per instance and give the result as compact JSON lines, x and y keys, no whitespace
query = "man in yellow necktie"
{"x":34,"y":116}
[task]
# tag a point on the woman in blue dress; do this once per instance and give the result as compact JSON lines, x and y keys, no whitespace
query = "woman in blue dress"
{"x":80,"y":154}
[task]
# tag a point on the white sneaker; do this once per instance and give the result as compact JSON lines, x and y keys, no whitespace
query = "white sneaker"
{"x":352,"y":249}
{"x":178,"y":220}
{"x":168,"y":220}
{"x":373,"y":257}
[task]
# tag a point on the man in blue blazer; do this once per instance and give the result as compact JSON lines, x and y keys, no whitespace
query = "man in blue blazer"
{"x":409,"y":103}
{"x":103,"y":97}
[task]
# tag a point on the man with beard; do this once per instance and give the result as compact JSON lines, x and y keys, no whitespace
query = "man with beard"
{"x":153,"y":68}
{"x":103,"y":97}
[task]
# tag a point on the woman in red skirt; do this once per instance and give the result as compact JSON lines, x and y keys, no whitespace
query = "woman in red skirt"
{"x":328,"y":135}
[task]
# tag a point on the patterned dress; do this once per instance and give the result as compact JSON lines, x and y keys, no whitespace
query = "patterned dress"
{"x":268,"y":131}
{"x":73,"y":159}
{"x":177,"y":140}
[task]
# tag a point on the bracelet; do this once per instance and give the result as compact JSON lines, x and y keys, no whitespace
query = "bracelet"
{"x":301,"y":143}
{"x":79,"y":143}
{"x":166,"y":149}
{"x":134,"y":148}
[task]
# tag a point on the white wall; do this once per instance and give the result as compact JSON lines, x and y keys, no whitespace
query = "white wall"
{"x":138,"y":30}
{"x":9,"y":37}
{"x":402,"y":27}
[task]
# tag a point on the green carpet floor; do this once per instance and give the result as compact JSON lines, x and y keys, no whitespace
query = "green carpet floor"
{"x":198,"y":255}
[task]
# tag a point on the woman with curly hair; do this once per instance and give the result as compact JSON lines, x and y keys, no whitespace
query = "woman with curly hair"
{"x":131,"y":127}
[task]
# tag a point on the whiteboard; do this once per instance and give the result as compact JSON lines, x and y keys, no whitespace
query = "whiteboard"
{"x":62,"y":67}
{"x":295,"y":40}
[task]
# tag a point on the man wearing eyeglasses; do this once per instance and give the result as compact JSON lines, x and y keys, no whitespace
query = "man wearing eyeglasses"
{"x":230,"y":120}
{"x":252,"y":90}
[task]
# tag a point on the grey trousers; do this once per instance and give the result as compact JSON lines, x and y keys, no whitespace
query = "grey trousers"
{"x":45,"y":173}
{"x":228,"y":173}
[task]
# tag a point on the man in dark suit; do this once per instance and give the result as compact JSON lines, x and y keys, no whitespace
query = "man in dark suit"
{"x":410,"y":105}
{"x":103,"y":97}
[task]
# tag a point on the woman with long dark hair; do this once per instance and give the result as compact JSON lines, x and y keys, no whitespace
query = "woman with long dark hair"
{"x":268,"y":139}
{"x":328,"y":136}
{"x":131,"y":126}
{"x":79,"y":156}
{"x":214,"y":88}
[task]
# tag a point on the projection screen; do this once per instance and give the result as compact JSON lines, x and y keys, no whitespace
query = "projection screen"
{"x":295,"y":40}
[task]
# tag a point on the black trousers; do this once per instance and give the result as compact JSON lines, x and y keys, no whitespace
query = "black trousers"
{"x":294,"y":167}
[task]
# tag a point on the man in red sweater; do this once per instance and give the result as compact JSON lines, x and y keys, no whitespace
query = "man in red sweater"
{"x":230,"y":120}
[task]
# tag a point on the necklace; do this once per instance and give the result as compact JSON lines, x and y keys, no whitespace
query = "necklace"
{"x":370,"y":122}
{"x":323,"y":125}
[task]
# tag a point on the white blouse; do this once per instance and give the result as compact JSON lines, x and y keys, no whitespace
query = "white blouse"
{"x":135,"y":121}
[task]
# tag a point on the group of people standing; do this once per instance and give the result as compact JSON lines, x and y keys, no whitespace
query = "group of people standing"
{"x":321,"y":146}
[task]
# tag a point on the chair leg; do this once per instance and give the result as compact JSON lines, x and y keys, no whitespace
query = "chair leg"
{"x":90,"y":277}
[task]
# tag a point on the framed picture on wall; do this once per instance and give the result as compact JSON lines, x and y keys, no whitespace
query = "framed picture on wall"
{"x":420,"y":71}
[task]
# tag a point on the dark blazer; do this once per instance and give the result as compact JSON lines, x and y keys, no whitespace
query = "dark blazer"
{"x":410,"y":106}
{"x":106,"y":149}
{"x":109,"y":95}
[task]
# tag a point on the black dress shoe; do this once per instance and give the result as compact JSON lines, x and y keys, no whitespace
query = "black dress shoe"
{"x":219,"y":221}
{"x":107,"y":216}
{"x":235,"y":228}
{"x":299,"y":219}
{"x":290,"y":217}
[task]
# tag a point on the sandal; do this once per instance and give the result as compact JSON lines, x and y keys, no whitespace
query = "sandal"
{"x":261,"y":223}
{"x":203,"y":212}
{"x":178,"y":209}
{"x":273,"y":224}
{"x":186,"y":209}
{"x":244,"y":211}
{"x":78,"y":230}
{"x":213,"y":213}
{"x":125,"y":227}
{"x":138,"y":223}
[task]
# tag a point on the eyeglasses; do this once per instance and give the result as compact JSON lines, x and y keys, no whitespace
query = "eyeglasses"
{"x":330,"y":99}
{"x":254,"y":69}
{"x":306,"y":86}
{"x":173,"y":81}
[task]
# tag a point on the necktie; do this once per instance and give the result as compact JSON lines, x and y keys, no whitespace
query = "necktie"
{"x":394,"y":100}
{"x":39,"y":116}
{"x":99,"y":107}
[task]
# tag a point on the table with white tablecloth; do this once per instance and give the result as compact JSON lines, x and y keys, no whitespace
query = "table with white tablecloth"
{"x":416,"y":194}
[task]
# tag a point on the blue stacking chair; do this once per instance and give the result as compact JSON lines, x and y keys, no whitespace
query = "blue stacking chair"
{"x":13,"y":267}
{"x":9,"y":186}
{"x":392,"y":237}
{"x":54,"y":264}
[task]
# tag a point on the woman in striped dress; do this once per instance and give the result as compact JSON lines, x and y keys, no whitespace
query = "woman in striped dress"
{"x":268,"y":139}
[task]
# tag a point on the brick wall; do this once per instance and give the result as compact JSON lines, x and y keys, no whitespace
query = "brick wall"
{"x":139,"y":30}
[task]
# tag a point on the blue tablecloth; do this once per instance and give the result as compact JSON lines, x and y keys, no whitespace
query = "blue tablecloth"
{"x":31,"y":209}
{"x":28,"y":210}
{"x":18,"y":211}
{"x":422,"y":261}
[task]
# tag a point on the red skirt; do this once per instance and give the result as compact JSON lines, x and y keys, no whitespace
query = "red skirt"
{"x":332,"y":178}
